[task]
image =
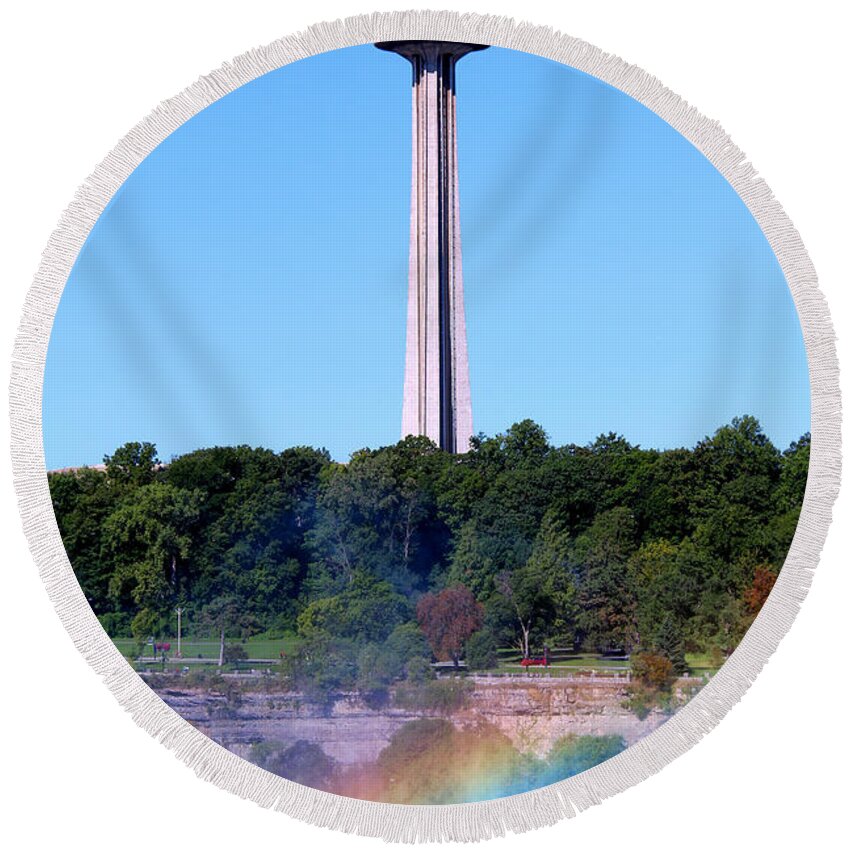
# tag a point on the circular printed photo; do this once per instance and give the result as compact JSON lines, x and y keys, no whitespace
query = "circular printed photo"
{"x":426,"y":422}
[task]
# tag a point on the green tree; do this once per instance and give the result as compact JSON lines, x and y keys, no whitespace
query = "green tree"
{"x":542,"y":592}
{"x":367,"y":610}
{"x":525,"y":443}
{"x":377,"y":667}
{"x":378,"y":514}
{"x":148,"y":536}
{"x":606,"y":597}
{"x":605,"y":544}
{"x":482,"y":651}
{"x":82,"y":500}
{"x":737,"y":466}
{"x":660,"y":592}
{"x":794,"y":474}
{"x":409,"y":644}
{"x":257,"y":509}
{"x":132,"y":465}
{"x":224,"y":615}
{"x":548,"y":578}
{"x":321,"y":667}
{"x":234,"y":652}
{"x":669,"y":643}
{"x":146,"y":624}
{"x":717,"y":625}
{"x":419,"y":671}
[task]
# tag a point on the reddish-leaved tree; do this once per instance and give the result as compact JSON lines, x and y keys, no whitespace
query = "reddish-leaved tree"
{"x":448,"y":618}
{"x":756,"y":594}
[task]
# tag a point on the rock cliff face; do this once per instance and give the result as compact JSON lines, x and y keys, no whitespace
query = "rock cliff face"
{"x":532,"y":713}
{"x":535,"y":714}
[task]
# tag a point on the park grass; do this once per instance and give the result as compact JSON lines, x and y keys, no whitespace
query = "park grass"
{"x":256,"y":648}
{"x":577,"y":663}
{"x":265,"y":648}
{"x":701,"y":664}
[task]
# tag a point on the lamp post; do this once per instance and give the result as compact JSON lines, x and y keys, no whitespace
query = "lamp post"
{"x":179,"y":634}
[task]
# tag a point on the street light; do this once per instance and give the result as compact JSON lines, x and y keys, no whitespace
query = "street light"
{"x":179,"y":635}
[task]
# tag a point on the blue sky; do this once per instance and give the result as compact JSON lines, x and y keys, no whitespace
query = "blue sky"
{"x":248,"y":282}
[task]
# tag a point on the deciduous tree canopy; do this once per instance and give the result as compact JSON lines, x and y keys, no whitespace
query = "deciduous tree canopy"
{"x":607,"y":546}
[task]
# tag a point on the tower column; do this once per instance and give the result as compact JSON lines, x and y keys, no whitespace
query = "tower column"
{"x":437,"y":401}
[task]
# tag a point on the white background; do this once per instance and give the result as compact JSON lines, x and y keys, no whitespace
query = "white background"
{"x":77,"y":76}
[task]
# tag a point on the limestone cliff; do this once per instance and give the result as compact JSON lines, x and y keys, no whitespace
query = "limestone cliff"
{"x":533,"y":713}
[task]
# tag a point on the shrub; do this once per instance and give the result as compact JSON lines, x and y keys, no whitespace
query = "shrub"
{"x":573,"y":754}
{"x":377,"y":666}
{"x":408,"y":641}
{"x":640,"y":701}
{"x":653,"y":671}
{"x":303,"y":762}
{"x":117,"y":624}
{"x":654,"y":677}
{"x":234,"y":652}
{"x":440,"y":695}
{"x":419,"y":671}
{"x":198,"y":678}
{"x":145,"y":624}
{"x":482,"y":653}
{"x":322,"y":667}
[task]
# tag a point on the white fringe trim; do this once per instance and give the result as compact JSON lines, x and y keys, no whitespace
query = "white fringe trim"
{"x":472,"y":821}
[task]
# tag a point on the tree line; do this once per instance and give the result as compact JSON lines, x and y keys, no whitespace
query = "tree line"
{"x":408,"y":552}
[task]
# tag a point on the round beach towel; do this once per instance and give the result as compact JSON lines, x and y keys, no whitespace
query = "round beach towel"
{"x":425,"y":424}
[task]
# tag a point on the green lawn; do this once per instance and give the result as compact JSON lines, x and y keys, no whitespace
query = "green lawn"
{"x":562,"y":668}
{"x":509,"y":661}
{"x":589,"y":662}
{"x":255,"y":647}
{"x":700,"y":664}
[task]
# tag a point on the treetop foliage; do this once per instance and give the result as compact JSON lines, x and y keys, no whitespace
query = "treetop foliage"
{"x":606,"y":546}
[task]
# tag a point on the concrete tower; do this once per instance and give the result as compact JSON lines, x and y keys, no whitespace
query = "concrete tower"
{"x":437,"y":400}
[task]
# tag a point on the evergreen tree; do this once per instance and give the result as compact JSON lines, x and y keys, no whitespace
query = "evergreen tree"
{"x":669,"y":643}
